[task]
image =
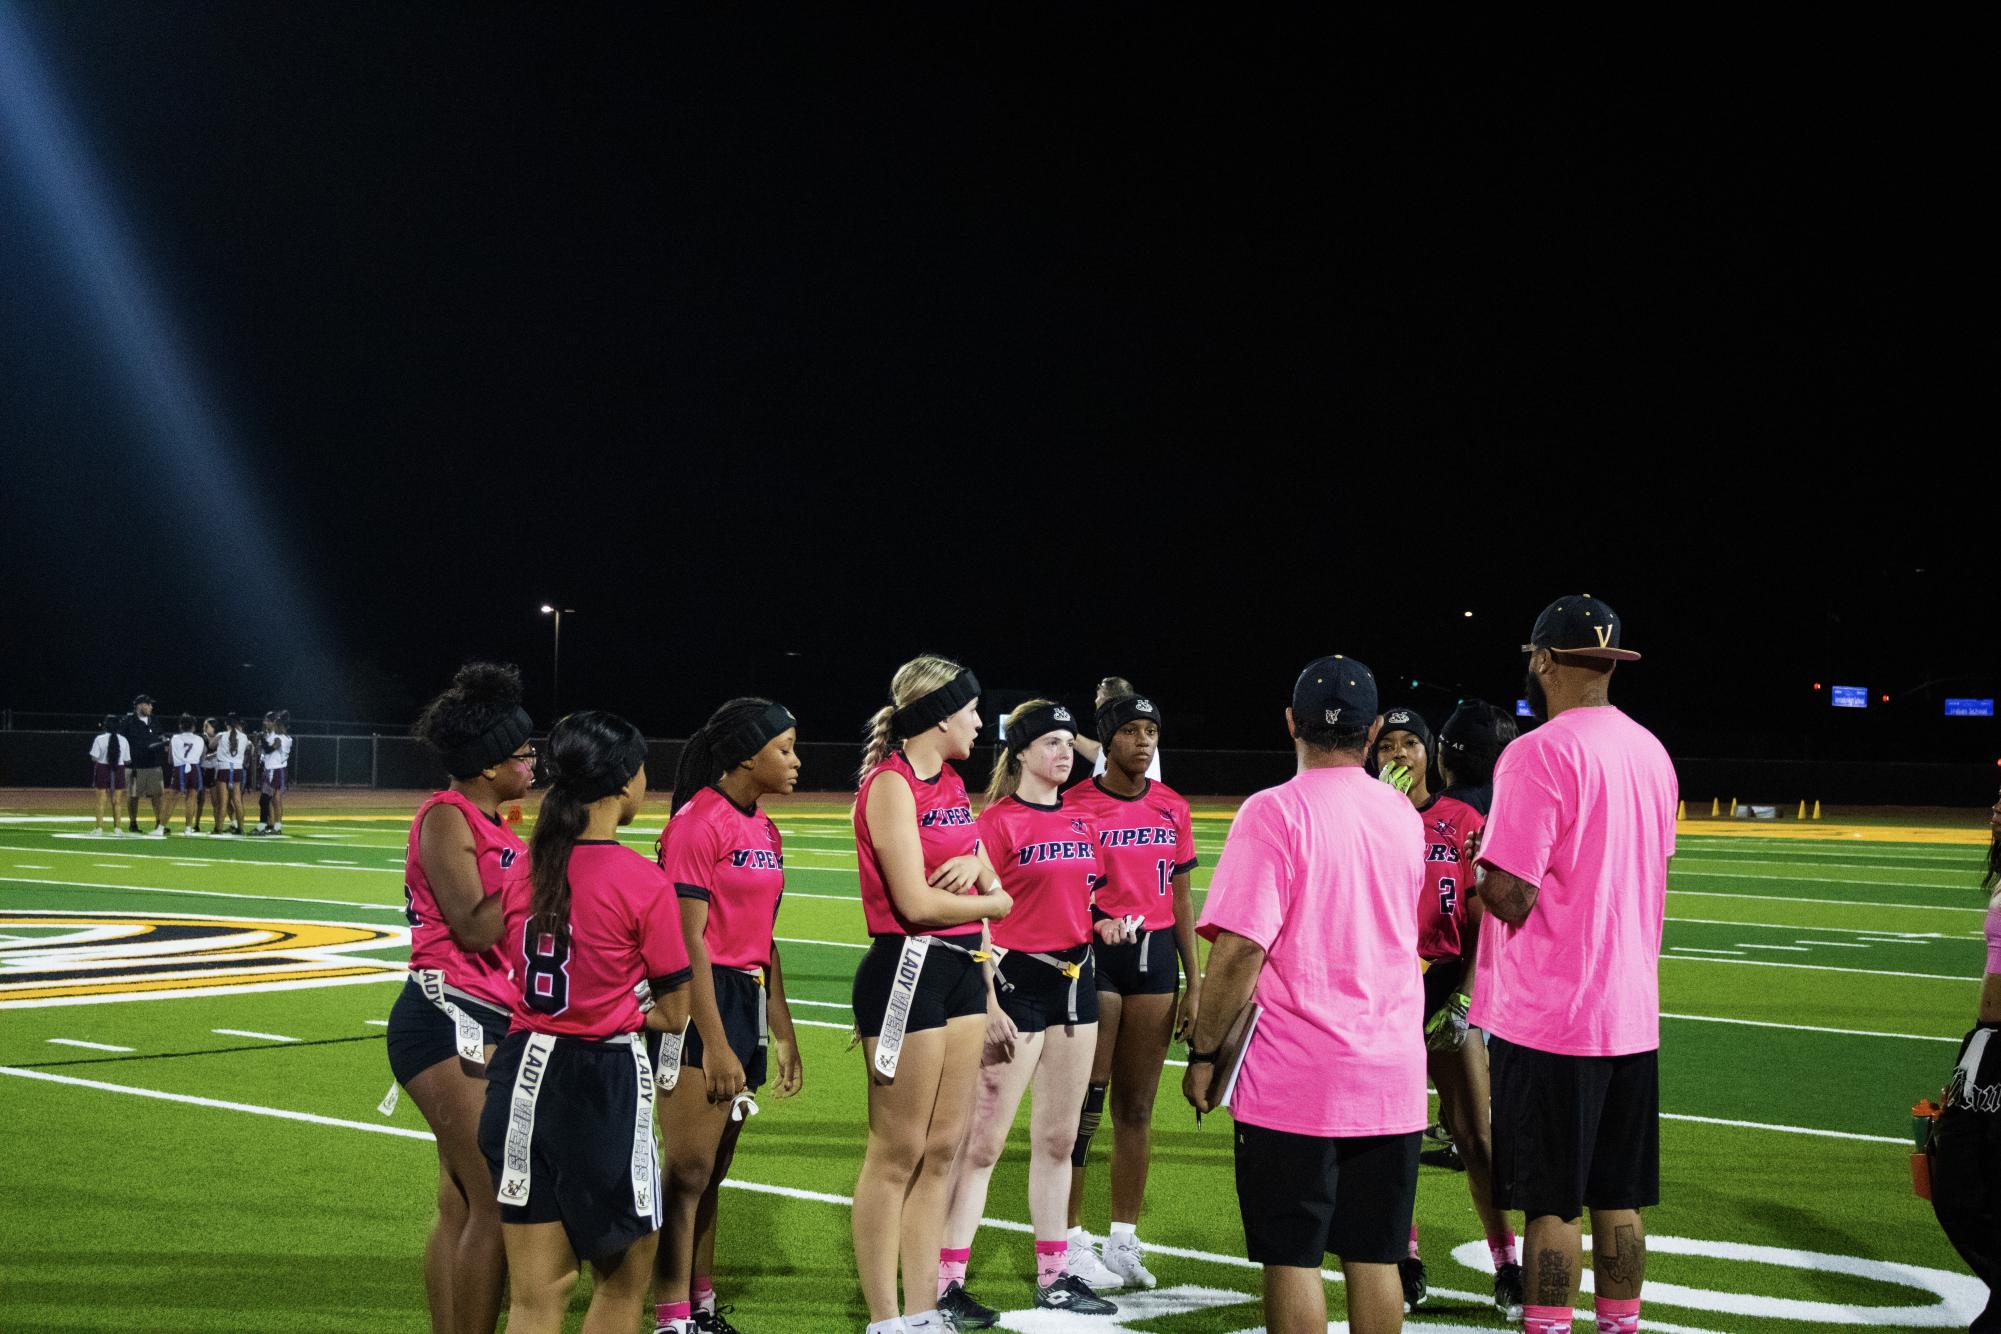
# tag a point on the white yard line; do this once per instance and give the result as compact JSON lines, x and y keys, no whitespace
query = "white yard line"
{"x":1795,"y":949}
{"x":200,"y":893}
{"x":92,"y":1046}
{"x":1838,"y":944}
{"x":220,"y":861}
{"x":1819,"y":967}
{"x":246,"y":1033}
{"x":1799,"y":1028}
{"x":1691,"y":949}
{"x":1832,"y":903}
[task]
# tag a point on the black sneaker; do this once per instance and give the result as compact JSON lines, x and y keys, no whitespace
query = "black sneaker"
{"x":1447,"y":1158}
{"x":715,"y":1322}
{"x":1508,"y":1291}
{"x":957,"y":1305}
{"x":1411,"y":1271}
{"x":1070,"y":1293}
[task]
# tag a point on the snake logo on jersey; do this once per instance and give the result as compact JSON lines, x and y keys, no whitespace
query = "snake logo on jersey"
{"x":82,"y":958}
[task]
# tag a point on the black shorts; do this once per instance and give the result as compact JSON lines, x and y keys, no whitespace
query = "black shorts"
{"x":950,"y":986}
{"x":1574,"y":1132}
{"x":1040,"y":998}
{"x":420,"y":1035}
{"x":1120,"y":970}
{"x":740,"y":1002}
{"x":1304,"y":1197}
{"x":1440,"y":981}
{"x":593,"y":1164}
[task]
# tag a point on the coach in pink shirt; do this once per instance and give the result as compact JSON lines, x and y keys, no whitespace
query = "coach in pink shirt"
{"x":1573,"y":864}
{"x":1314,"y":906}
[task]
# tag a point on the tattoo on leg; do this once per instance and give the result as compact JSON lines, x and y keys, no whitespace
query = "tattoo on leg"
{"x":1619,"y":1264}
{"x":1553,"y":1281}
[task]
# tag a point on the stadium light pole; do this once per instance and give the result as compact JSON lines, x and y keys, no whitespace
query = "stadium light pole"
{"x":556,"y":661}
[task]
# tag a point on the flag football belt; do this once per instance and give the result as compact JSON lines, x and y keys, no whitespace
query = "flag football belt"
{"x":903,"y":994}
{"x":516,"y":1177}
{"x":668,"y":1073}
{"x":1073,"y":971}
{"x":468,"y":1036}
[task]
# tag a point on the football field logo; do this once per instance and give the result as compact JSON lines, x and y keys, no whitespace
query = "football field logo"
{"x":80,"y":958}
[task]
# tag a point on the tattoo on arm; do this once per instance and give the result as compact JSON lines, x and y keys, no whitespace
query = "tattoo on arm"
{"x":1553,"y":1281}
{"x":1508,"y":898}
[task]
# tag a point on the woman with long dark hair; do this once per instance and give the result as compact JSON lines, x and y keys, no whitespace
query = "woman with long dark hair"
{"x":110,"y":754}
{"x":727,"y":865}
{"x":232,"y":757}
{"x":594,"y":938}
{"x":1145,"y":943}
{"x":1467,"y":747}
{"x":1966,"y":1140}
{"x":454,"y":1009}
{"x":919,"y":995}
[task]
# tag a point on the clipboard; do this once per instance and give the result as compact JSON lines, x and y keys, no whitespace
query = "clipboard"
{"x":1230,"y":1057}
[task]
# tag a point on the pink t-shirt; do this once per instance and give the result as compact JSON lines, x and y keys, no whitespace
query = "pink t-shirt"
{"x":1584,"y":810}
{"x":1325,"y":873}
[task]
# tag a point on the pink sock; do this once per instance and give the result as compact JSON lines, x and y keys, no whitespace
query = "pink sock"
{"x":1618,"y":1316}
{"x":952,"y":1262}
{"x":1049,"y":1261}
{"x":705,"y":1293}
{"x":1413,"y":1241}
{"x":1502,"y":1248}
{"x":666,"y":1311}
{"x":1546,"y":1319}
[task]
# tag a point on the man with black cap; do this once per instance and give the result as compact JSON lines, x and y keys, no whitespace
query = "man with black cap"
{"x":1573,"y":861}
{"x":143,"y":778}
{"x":1314,"y":906}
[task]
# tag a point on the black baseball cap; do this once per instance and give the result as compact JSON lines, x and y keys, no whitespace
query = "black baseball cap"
{"x":1582,"y":626}
{"x":1403,"y":718}
{"x":137,"y":700}
{"x":1335,"y":689}
{"x":1472,"y":728}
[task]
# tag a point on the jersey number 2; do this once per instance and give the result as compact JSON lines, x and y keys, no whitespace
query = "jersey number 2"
{"x":546,"y":987}
{"x":1448,"y":895}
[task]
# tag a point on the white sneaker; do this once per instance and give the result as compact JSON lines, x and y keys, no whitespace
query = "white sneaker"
{"x":1080,"y":1259}
{"x":675,"y":1327}
{"x":1122,"y":1258}
{"x":157,"y":832}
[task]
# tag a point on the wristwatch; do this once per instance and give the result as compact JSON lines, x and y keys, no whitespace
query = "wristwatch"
{"x":1204,"y":1057}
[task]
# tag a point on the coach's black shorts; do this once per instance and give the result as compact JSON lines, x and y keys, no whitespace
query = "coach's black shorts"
{"x":950,"y":986}
{"x":1574,"y":1132}
{"x":1119,"y":965}
{"x":1304,"y":1197}
{"x":1440,"y":981}
{"x":1041,"y":995}
{"x":740,"y":1002}
{"x":594,"y":1165}
{"x":420,"y":1035}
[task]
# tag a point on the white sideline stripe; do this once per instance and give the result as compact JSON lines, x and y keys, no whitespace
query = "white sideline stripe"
{"x":93,"y":1046}
{"x":183,"y":993}
{"x":379,"y":1023}
{"x":1794,"y":949}
{"x":837,"y":944}
{"x":216,"y":861}
{"x":29,"y":866}
{"x":1795,"y":926}
{"x":246,"y":1033}
{"x":1801,"y":1028}
{"x":1818,"y":967}
{"x":1791,"y":1130}
{"x":821,"y":1023}
{"x":217,"y":1103}
{"x":823,"y":1005}
{"x":1836,"y":903}
{"x":198,"y":893}
{"x":1691,"y":949}
{"x":1831,"y":880}
{"x":1838,"y":944}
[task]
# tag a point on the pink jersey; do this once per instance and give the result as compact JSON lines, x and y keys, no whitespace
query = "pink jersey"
{"x":1324,"y":873}
{"x":1584,"y":810}
{"x":731,"y":859}
{"x":1992,"y":923}
{"x":625,"y":930}
{"x":1144,"y":842}
{"x":501,"y":856}
{"x":1047,"y":858}
{"x":1445,"y":911}
{"x":945,"y":828}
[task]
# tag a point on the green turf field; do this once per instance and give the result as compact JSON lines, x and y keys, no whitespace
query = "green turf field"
{"x":208,"y":1155}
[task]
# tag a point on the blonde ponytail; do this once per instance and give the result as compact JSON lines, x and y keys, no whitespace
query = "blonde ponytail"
{"x":1006,"y":778}
{"x":913,"y":680}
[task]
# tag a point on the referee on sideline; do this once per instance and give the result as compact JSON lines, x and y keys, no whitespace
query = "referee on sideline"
{"x":1573,"y":861}
{"x":1314,"y":907}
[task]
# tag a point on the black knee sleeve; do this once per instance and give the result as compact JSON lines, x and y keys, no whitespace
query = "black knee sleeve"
{"x":1087,"y":1122}
{"x":263,"y":808}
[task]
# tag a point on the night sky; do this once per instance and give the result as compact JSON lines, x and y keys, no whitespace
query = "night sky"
{"x":785,"y":344}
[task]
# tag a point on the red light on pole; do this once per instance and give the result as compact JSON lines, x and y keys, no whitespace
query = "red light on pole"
{"x":1886,"y":699}
{"x":1816,"y":685}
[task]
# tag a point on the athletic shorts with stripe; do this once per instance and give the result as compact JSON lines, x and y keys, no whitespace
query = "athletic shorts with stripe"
{"x":950,"y":986}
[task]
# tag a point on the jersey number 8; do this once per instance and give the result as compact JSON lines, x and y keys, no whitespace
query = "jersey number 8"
{"x":546,"y":985}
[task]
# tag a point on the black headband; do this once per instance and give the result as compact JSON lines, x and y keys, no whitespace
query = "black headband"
{"x":733,"y":747}
{"x":491,"y":746}
{"x":1032,"y":726}
{"x":927,"y":711}
{"x":631,"y":757}
{"x":1116,"y":713}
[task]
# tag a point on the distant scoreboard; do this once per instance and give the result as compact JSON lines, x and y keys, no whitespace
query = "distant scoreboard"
{"x":1969,"y":708}
{"x":1522,"y":709}
{"x":1851,"y":697}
